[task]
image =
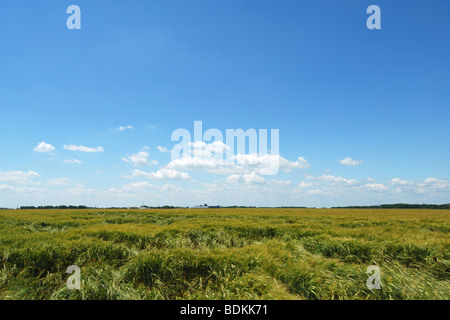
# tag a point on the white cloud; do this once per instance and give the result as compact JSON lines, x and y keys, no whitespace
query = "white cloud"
{"x":239,"y":164}
{"x":434,"y":183}
{"x":191,"y":163}
{"x":279,"y":183}
{"x":162,"y":149}
{"x":304,"y":184}
{"x":74,"y":161}
{"x":302,"y":163}
{"x":81,"y":190}
{"x":250,"y":178}
{"x":18,"y":177}
{"x":398,"y":182}
{"x":435,"y":180}
{"x":123,"y":128}
{"x":268,"y":160}
{"x":141,"y":188}
{"x":5,"y":187}
{"x":351,"y":162}
{"x":333,"y":179}
{"x":58,"y":182}
{"x":138,"y":185}
{"x":72,"y":147}
{"x":163,"y":173}
{"x":140,"y":158}
{"x":428,"y":186}
{"x":376,"y":186}
{"x":44,"y":147}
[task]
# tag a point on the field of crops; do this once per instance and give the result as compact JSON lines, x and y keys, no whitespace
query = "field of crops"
{"x":225,"y":253}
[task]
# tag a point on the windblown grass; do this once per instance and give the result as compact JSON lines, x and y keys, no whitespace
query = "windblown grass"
{"x":225,"y":253}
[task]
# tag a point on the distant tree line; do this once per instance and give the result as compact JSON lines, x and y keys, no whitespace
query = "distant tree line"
{"x":54,"y":207}
{"x":401,"y":206}
{"x":291,"y":207}
{"x":382,"y":206}
{"x":147,"y":207}
{"x":240,"y":207}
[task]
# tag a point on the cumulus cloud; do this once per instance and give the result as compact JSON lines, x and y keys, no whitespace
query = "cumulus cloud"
{"x":434,"y":183}
{"x":58,"y":182}
{"x":141,"y":187}
{"x":428,"y":186}
{"x":304,"y":184}
{"x":250,"y":178}
{"x":279,"y":183}
{"x":72,"y":147}
{"x":376,"y":186}
{"x":162,"y":149}
{"x":238,"y":164}
{"x":74,"y":161}
{"x":192,"y":163}
{"x":302,"y":163}
{"x":333,"y":179}
{"x":19,"y":177}
{"x":162,"y":174}
{"x":269,"y":160}
{"x":4,"y":187}
{"x":398,"y":182}
{"x":81,"y":190}
{"x":44,"y":147}
{"x":138,"y":185}
{"x":123,"y":128}
{"x":140,"y":158}
{"x":350,"y":162}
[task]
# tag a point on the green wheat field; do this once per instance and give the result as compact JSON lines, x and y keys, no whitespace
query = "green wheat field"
{"x":225,"y":253}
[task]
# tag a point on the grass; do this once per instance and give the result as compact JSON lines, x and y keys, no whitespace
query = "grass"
{"x":225,"y":253}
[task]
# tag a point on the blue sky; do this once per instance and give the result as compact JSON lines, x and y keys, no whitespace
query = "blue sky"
{"x":311,"y":69}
